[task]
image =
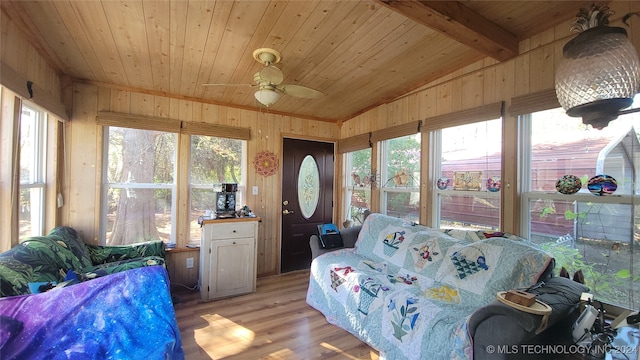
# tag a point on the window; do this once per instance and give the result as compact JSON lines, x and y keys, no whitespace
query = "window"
{"x":593,"y":233}
{"x":213,"y":161}
{"x":468,"y":167}
{"x":400,"y":177}
{"x":139,"y":186}
{"x":32,"y":171}
{"x":358,"y":184}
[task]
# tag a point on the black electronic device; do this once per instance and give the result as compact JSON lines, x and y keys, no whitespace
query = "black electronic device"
{"x":229,"y":187}
{"x":329,"y":236}
{"x":226,"y":201}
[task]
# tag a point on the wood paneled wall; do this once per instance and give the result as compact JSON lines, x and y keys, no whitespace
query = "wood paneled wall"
{"x":482,"y":83}
{"x":20,"y":62}
{"x":84,"y":139}
{"x":179,"y":275}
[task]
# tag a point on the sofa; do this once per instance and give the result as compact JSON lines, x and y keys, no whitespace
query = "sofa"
{"x":106,"y":302}
{"x":412,"y":292}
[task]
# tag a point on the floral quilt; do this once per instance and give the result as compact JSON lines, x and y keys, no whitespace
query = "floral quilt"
{"x":408,"y":290}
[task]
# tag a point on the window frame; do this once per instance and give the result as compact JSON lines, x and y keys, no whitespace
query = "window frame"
{"x":106,"y":185}
{"x":528,"y":196}
{"x":436,"y":158}
{"x":180,"y":202}
{"x":385,"y":177}
{"x":39,"y":180}
{"x":525,"y":180}
{"x":241,"y":194}
{"x":348,"y":187}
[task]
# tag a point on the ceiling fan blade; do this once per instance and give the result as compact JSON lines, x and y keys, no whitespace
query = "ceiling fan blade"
{"x":300,"y":91}
{"x":269,"y":74}
{"x":229,"y":85}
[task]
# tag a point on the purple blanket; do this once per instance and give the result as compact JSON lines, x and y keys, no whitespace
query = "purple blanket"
{"x":127,"y":315}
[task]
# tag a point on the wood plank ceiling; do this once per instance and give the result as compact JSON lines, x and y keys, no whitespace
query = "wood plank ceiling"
{"x":359,"y":54}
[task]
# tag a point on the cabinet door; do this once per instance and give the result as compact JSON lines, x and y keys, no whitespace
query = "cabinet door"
{"x":232,"y":267}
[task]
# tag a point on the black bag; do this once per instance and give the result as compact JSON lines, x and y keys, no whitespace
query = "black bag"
{"x":329,"y":236}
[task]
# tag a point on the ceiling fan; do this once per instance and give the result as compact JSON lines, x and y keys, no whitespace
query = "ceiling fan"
{"x":269,"y":80}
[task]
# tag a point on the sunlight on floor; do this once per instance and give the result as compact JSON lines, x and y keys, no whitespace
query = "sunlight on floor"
{"x":222,"y":337}
{"x":283,"y":354}
{"x":336,"y":350}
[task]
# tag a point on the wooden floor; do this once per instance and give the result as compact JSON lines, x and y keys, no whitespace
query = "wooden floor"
{"x":273,"y":323}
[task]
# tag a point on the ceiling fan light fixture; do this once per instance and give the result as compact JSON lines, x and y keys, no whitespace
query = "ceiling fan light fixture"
{"x":600,"y":73}
{"x":267,"y":97}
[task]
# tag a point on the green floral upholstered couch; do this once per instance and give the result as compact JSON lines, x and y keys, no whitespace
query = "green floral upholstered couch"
{"x":50,"y":258}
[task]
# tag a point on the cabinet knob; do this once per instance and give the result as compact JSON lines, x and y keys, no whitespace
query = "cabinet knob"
{"x":234,"y":231}
{"x":234,"y":243}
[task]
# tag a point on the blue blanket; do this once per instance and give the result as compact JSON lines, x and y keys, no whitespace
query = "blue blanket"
{"x":126,"y":315}
{"x":408,"y":291}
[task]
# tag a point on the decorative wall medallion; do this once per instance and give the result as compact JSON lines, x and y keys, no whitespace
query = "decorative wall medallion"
{"x":266,"y":163}
{"x":602,"y":185}
{"x":494,"y":184}
{"x":568,"y":184}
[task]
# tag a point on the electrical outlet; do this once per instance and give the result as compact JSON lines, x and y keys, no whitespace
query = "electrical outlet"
{"x":255,"y":190}
{"x":189,"y":263}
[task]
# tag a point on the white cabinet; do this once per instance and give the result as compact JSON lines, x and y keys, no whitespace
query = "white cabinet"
{"x":228,"y":257}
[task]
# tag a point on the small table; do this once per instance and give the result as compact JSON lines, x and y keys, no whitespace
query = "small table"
{"x":538,"y":307}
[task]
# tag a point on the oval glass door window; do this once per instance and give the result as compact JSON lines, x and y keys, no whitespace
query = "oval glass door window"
{"x":308,"y":186}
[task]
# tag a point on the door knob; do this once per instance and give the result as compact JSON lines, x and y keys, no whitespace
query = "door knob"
{"x":287,"y":212}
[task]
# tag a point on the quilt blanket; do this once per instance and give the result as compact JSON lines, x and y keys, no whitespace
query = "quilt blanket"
{"x":408,"y":291}
{"x":127,"y":315}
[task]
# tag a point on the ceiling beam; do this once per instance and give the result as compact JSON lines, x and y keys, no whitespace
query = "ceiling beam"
{"x":461,"y":24}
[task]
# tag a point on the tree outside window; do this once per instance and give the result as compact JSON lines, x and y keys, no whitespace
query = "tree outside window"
{"x":139,"y":186}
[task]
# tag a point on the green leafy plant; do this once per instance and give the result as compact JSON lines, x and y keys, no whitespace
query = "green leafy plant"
{"x":570,"y":215}
{"x":599,"y":269}
{"x":598,"y":275}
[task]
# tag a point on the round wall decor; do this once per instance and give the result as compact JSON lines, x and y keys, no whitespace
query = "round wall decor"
{"x":266,"y":163}
{"x":602,"y":185}
{"x":568,"y":184}
{"x":494,"y":184}
{"x":443,"y":182}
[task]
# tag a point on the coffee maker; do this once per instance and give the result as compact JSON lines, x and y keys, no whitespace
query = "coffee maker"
{"x":226,"y":201}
